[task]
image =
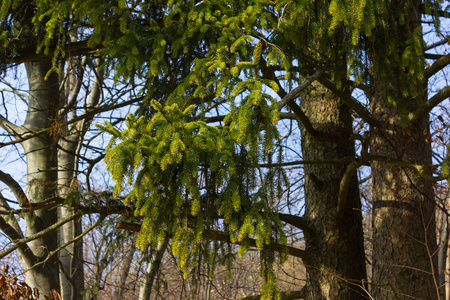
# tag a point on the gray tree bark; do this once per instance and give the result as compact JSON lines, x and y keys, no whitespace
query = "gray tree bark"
{"x":41,"y":156}
{"x":120,"y":284}
{"x":70,"y":139}
{"x":153,"y":265}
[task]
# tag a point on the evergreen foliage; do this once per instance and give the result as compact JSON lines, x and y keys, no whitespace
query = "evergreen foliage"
{"x":183,"y":173}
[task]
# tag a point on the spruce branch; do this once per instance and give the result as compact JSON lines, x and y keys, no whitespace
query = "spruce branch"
{"x":288,"y":295}
{"x":288,"y":98}
{"x":295,"y":92}
{"x":215,"y":235}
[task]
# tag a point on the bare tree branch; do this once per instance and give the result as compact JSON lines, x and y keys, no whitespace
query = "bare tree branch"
{"x":439,"y":43}
{"x":295,"y":92}
{"x":14,"y":235}
{"x":15,"y":187}
{"x":296,"y":221}
{"x":11,"y":128}
{"x":53,"y":227}
{"x":420,"y":113}
{"x":350,"y":101}
{"x":438,"y":65}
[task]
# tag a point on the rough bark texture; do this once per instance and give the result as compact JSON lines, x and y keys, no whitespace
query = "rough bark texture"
{"x":335,"y":260}
{"x":403,"y":213}
{"x":41,"y":155}
{"x":404,"y":237}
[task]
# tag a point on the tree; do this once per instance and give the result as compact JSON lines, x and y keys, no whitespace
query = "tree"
{"x":228,"y":85}
{"x":53,"y":136}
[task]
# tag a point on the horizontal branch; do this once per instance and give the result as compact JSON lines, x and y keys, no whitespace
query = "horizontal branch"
{"x":434,"y":45}
{"x":438,"y":65}
{"x":283,"y":115}
{"x":28,"y":134}
{"x":293,"y":220}
{"x":15,"y":187}
{"x":214,"y":235}
{"x":422,"y":170}
{"x":344,"y":160}
{"x":295,"y":92}
{"x":423,"y":111}
{"x":432,"y":56}
{"x":31,"y":206}
{"x":289,"y":295}
{"x":42,"y":233}
{"x":70,"y":50}
{"x":350,"y":101}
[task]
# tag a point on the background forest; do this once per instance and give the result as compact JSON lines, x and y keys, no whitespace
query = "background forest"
{"x":224,"y":149}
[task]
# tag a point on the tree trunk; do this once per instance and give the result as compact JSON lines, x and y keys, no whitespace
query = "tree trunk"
{"x":403,"y":213}
{"x":41,"y":158}
{"x":442,"y":255}
{"x":335,"y":259}
{"x":152,"y":269}
{"x":125,"y":269}
{"x":404,"y":238}
{"x":70,"y":139}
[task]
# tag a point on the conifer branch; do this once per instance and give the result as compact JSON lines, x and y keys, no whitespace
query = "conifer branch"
{"x":289,"y":295}
{"x":283,"y":115}
{"x":70,"y":50}
{"x":432,"y":56}
{"x":215,"y":235}
{"x":438,"y":65}
{"x":268,"y":73}
{"x":302,"y":118}
{"x":344,"y":160}
{"x":429,"y":11}
{"x":420,"y":113}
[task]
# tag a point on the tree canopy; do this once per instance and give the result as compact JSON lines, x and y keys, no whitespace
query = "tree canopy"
{"x":227,"y":88}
